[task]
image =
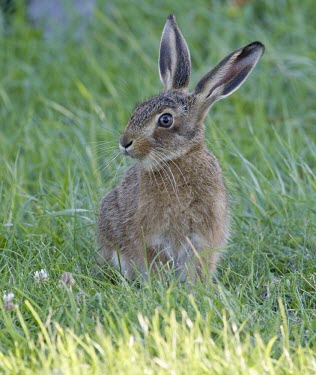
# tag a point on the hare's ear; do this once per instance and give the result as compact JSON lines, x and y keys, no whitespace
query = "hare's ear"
{"x":174,"y":57}
{"x":227,"y":76}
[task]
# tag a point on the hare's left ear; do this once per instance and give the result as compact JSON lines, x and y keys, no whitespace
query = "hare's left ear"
{"x":227,"y":76}
{"x":174,"y":57}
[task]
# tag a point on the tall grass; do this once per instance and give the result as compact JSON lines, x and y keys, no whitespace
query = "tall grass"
{"x":63,"y":104}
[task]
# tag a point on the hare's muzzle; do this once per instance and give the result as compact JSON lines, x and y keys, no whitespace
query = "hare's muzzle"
{"x":125,"y":145}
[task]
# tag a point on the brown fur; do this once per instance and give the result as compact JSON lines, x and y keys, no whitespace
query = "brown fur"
{"x":171,"y":206}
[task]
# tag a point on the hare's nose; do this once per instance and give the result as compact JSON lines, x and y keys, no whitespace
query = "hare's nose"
{"x":125,"y":144}
{"x":128,"y":145}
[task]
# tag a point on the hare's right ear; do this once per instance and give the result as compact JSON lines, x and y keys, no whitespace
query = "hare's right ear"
{"x":174,"y":57}
{"x":226,"y":77}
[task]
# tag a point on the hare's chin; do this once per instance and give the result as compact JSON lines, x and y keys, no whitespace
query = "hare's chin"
{"x":148,"y":163}
{"x":151,"y":162}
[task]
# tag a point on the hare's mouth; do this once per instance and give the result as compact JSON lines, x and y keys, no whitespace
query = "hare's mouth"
{"x":127,"y":148}
{"x":137,"y":148}
{"x":132,"y":153}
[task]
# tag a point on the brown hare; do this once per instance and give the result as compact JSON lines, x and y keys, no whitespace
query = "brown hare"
{"x":171,"y":206}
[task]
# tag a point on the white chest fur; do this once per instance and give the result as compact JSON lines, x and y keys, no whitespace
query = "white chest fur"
{"x":179,"y":251}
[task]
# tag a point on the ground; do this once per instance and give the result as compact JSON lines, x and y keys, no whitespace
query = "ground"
{"x":63,"y":103}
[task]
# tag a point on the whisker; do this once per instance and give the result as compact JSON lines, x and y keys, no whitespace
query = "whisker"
{"x":102,"y":142}
{"x":105,"y":148}
{"x":117,"y":133}
{"x":150,"y":173}
{"x":152,"y":156}
{"x":153,"y":172}
{"x":105,"y":166}
{"x":166,"y":164}
{"x":117,"y":169}
{"x":174,"y":163}
{"x":100,"y":148}
{"x":174,"y":183}
{"x":103,"y":155}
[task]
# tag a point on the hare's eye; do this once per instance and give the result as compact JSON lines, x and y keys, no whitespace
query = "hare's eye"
{"x":165,"y":120}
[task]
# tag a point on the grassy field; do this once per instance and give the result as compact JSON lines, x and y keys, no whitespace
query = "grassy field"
{"x":63,"y":103}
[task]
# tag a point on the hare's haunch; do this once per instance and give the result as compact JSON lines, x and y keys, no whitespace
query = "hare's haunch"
{"x":171,"y":206}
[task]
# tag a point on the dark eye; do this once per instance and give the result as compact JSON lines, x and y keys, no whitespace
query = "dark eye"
{"x":165,"y":120}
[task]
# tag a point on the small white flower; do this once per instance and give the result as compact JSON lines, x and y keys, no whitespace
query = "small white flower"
{"x":67,"y":279}
{"x":81,"y":296}
{"x":8,"y":298}
{"x":41,"y":276}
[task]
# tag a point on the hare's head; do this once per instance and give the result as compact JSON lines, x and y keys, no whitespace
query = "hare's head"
{"x":171,"y":124}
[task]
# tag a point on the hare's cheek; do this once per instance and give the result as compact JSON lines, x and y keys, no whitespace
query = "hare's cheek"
{"x":142,"y":148}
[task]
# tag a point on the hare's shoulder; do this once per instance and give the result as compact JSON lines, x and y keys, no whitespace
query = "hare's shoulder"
{"x":203,"y":171}
{"x":125,"y":194}
{"x":130,"y":181}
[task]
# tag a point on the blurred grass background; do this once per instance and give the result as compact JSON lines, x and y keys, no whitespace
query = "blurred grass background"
{"x":64,"y":93}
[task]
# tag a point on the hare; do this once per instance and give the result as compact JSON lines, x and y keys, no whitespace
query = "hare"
{"x":171,"y":207}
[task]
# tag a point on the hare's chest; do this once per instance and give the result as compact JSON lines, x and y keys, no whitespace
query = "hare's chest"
{"x":168,"y":218}
{"x":168,"y":209}
{"x":168,"y":227}
{"x":176,"y":249}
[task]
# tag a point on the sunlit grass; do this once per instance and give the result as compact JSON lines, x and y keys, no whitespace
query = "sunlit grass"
{"x":63,"y":104}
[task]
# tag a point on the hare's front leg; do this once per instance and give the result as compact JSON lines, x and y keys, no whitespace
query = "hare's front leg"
{"x":133,"y":262}
{"x":123,"y":264}
{"x":181,"y":253}
{"x":196,"y":257}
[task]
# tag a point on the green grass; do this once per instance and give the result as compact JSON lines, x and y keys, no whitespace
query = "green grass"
{"x":60,"y":99}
